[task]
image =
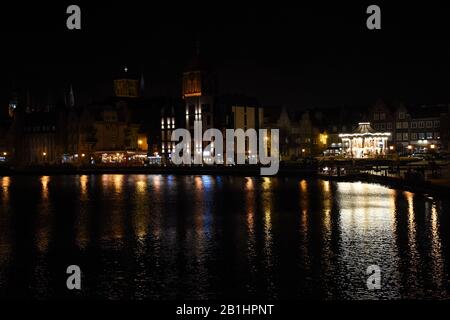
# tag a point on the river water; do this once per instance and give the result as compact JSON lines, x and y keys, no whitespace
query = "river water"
{"x":205,"y":237}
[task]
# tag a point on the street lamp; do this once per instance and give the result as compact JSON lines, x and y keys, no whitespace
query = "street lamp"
{"x":391,"y":148}
{"x":5,"y":153}
{"x":432,"y":146}
{"x":44,"y":153}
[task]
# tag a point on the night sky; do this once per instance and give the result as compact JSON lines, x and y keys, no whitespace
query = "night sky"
{"x":282,"y":53}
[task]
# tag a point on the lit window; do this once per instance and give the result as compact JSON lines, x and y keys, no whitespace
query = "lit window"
{"x":405,"y":136}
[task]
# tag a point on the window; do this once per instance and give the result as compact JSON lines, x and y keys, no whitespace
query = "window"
{"x":376,"y":126}
{"x":437,"y":135}
{"x":382,"y":116}
{"x":382,"y":126}
{"x":399,"y":125}
{"x":405,"y":125}
{"x":421,"y":136}
{"x":414,"y":125}
{"x":399,"y":137}
{"x":413,"y":136}
{"x":389,"y":126}
{"x":401,"y":115}
{"x":429,"y":124}
{"x":437,"y":123}
{"x":376,"y":116}
{"x":405,"y":136}
{"x":429,"y":135}
{"x":421,"y":124}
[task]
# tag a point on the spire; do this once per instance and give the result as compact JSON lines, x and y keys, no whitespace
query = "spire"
{"x":28,"y":107}
{"x":71,"y":97}
{"x":142,"y":84}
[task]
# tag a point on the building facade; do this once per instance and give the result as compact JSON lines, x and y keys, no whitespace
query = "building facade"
{"x":414,"y":129}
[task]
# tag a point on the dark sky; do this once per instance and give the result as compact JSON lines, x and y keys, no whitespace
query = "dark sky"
{"x":284,"y":53}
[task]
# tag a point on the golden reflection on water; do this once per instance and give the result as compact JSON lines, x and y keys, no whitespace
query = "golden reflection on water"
{"x":156,"y":183}
{"x":5,"y":220}
{"x":84,"y":187}
{"x":326,"y":248}
{"x":267,"y":207}
{"x":436,"y":248}
{"x":250,"y":210}
{"x":304,"y":224}
{"x":413,"y":252}
{"x":5,"y":182}
{"x":44,"y":217}
{"x":366,"y":208}
{"x":368,"y":228}
{"x":141,"y":217}
{"x":44,"y":183}
{"x":82,"y":218}
{"x":113,"y":212}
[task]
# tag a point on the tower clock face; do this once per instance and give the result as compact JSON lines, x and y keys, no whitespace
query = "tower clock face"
{"x":192,"y":85}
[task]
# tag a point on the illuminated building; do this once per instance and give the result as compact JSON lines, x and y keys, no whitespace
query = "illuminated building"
{"x":365,"y":142}
{"x":126,"y":86}
{"x":415,"y":126}
{"x":198,"y":92}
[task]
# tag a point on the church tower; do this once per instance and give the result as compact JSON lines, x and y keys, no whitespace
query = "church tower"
{"x":126,"y":85}
{"x":198,"y":92}
{"x":12,"y":107}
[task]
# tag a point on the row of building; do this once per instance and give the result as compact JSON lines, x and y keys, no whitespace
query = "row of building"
{"x":127,"y":128}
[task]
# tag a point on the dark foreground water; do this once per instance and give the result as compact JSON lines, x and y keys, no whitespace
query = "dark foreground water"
{"x":198,"y":237}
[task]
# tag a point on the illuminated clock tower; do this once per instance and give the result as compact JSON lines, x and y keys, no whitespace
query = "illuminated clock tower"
{"x":126,"y":86}
{"x":198,"y":92}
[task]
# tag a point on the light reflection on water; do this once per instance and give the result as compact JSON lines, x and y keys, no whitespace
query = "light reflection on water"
{"x":165,"y":237}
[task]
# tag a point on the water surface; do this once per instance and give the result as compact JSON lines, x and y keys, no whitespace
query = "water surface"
{"x":203,"y":237}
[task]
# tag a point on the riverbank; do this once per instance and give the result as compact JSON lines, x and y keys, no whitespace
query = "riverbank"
{"x":245,"y":170}
{"x":436,"y":186}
